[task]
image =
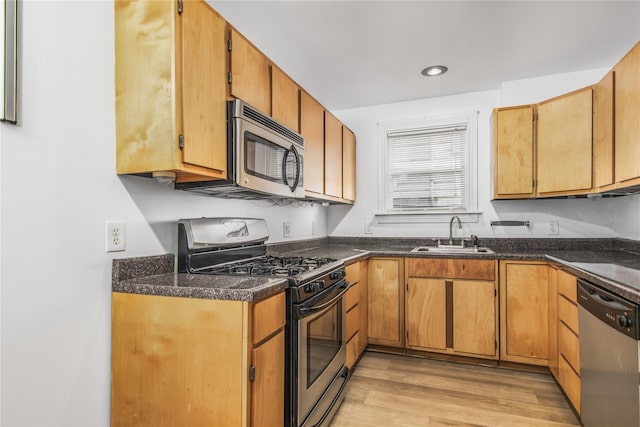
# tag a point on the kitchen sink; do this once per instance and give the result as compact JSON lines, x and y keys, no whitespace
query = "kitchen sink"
{"x":452,"y":250}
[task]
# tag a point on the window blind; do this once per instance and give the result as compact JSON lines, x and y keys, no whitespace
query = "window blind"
{"x":427,"y":169}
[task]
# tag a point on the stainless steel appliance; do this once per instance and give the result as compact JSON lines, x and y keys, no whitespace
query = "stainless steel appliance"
{"x":264,"y":158}
{"x":315,"y":333}
{"x":609,"y":368}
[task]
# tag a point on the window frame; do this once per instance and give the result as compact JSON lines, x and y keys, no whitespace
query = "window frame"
{"x":470,"y":212}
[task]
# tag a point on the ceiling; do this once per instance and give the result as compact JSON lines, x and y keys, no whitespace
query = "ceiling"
{"x":358,"y":53}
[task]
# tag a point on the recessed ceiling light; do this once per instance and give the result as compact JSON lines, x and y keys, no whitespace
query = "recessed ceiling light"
{"x":434,"y":70}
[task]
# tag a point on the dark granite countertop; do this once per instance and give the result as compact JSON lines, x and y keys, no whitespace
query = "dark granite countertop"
{"x":611,"y":263}
{"x":155,"y":276}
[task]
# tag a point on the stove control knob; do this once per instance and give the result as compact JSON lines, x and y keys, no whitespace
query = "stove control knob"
{"x":624,"y":321}
{"x":314,"y":287}
{"x":337,"y":275}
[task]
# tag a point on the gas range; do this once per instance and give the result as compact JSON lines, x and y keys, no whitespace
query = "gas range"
{"x":236,"y":246}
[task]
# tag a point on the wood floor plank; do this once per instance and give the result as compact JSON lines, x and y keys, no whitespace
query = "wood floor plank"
{"x":401,"y":391}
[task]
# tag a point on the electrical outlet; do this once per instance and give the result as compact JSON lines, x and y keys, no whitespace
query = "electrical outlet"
{"x":367,"y":228}
{"x":115,"y":234}
{"x":553,"y":227}
{"x":286,"y":229}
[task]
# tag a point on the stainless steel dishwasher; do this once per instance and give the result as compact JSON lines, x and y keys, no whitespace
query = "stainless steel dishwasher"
{"x":609,"y":370}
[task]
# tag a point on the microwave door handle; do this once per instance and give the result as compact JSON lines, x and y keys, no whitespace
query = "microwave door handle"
{"x":284,"y":168}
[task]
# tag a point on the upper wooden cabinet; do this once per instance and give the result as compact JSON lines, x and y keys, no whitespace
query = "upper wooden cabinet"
{"x":170,"y":89}
{"x":513,"y":152}
{"x":564,"y":144}
{"x":249,"y":73}
{"x":348,"y":164}
{"x":332,"y":156}
{"x":312,"y":129}
{"x":285,"y":99}
{"x":603,"y":116}
{"x":627,"y":118}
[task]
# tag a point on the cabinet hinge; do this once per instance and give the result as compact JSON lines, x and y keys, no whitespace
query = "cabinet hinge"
{"x":535,"y":116}
{"x":229,"y":45}
{"x":252,"y":373}
{"x":407,"y":287}
{"x":229,"y":78}
{"x":181,"y":141}
{"x":495,"y":292}
{"x":179,"y":7}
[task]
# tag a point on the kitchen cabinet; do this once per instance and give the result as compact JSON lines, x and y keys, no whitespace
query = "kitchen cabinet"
{"x":364,"y":309}
{"x":568,"y":338}
{"x":564,"y":144}
{"x":285,"y":99}
{"x":627,"y":118}
{"x":348,"y":164}
{"x":552,"y":280}
{"x":356,"y":329}
{"x":333,"y":156}
{"x":603,"y":142}
{"x":513,"y":152}
{"x":524,"y":312}
{"x":312,"y":129}
{"x":386,"y":301}
{"x":170,"y":90}
{"x":249,"y":73}
{"x":187,"y":361}
{"x":452,"y":307}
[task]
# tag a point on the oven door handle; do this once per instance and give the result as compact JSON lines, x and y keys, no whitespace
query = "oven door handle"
{"x":315,"y":309}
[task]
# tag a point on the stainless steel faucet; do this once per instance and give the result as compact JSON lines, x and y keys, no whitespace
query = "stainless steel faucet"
{"x":451,"y":227}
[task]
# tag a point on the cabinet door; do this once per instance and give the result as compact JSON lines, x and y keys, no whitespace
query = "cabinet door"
{"x":552,"y":279}
{"x":285,"y":99}
{"x":204,"y":87}
{"x":513,"y":158}
{"x":627,"y":116}
{"x":312,"y":129}
{"x":364,"y":309}
{"x":426,"y":314}
{"x":564,"y":143}
{"x":249,"y":73}
{"x":267,"y":389}
{"x":474,"y":317}
{"x":333,"y":156}
{"x":603,"y":131}
{"x":386,"y":302}
{"x":524,"y":307}
{"x":348,"y":164}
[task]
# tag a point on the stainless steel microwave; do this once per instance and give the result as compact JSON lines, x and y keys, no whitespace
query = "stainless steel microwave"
{"x":265,"y":159}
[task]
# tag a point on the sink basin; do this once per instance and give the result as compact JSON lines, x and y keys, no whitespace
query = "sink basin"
{"x":452,"y":250}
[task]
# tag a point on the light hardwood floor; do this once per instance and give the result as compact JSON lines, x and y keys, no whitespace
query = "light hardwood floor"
{"x":401,"y":391}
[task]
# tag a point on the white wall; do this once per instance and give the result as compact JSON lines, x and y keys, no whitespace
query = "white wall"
{"x":58,"y":186}
{"x":577,"y":217}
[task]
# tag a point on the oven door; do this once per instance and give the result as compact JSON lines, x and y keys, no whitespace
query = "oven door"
{"x":321,"y":347}
{"x":267,"y":162}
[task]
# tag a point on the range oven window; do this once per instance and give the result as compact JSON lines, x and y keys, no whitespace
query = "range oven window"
{"x":324,"y":339}
{"x":264,"y":159}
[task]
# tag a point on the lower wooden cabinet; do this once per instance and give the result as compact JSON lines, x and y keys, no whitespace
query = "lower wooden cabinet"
{"x":186,"y":361}
{"x":568,"y":374}
{"x":356,"y":306}
{"x":450,"y":315}
{"x":386,"y":301}
{"x":524,"y":312}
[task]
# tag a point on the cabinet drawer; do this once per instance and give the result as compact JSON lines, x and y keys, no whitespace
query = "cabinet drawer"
{"x":352,"y":296}
{"x":268,"y":317}
{"x":567,"y":286}
{"x":353,"y":321}
{"x":569,"y":346}
{"x":452,"y":268}
{"x":568,"y":313}
{"x":353,"y":273}
{"x":570,"y":382}
{"x":352,"y":351}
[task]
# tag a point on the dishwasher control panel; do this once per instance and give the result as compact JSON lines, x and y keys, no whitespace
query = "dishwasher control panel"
{"x":615,"y":311}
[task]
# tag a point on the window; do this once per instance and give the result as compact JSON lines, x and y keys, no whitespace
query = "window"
{"x":429,"y":166}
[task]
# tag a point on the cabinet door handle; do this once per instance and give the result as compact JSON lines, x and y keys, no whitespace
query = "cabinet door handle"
{"x":252,"y":373}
